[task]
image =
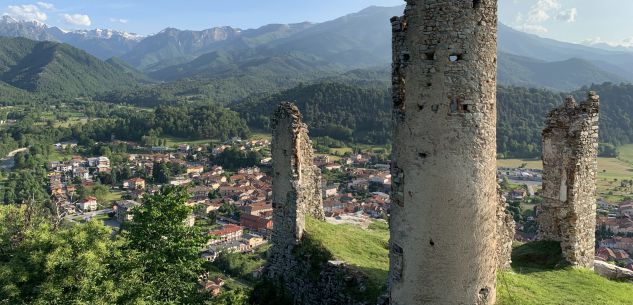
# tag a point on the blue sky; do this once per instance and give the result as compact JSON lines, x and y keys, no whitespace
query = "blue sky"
{"x":567,"y":20}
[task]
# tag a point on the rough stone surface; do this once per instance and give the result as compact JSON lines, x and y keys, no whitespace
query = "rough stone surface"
{"x":445,"y":202}
{"x":612,"y":272}
{"x":568,"y":211}
{"x":297,"y":193}
{"x":506,"y":228}
{"x":296,"y":181}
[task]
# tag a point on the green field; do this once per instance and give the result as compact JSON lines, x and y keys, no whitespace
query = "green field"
{"x":533,"y":280}
{"x":172,"y":141}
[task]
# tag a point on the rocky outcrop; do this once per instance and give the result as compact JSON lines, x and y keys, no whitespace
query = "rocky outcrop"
{"x":568,"y":211}
{"x":612,"y":272}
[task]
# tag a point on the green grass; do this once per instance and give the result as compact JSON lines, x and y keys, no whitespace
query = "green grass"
{"x":610,"y":172}
{"x":173,"y":141}
{"x":515,"y":163}
{"x":625,"y":153}
{"x":537,"y":276}
{"x":113,"y":196}
{"x":366,"y":249}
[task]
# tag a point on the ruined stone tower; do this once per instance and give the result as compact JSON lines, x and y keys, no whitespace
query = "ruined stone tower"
{"x":568,"y":211}
{"x":296,"y":184}
{"x":443,"y":217}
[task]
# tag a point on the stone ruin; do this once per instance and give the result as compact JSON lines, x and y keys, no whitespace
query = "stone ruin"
{"x":506,"y":228}
{"x":445,"y":206}
{"x":568,"y":211}
{"x":296,"y":184}
{"x":292,"y":261}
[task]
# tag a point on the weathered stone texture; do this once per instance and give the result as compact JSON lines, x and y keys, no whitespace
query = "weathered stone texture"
{"x":297,"y":193}
{"x":443,"y":246}
{"x":296,"y":184}
{"x":506,"y":228}
{"x":568,"y":211}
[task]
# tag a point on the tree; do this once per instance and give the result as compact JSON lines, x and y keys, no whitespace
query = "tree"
{"x":165,"y":250}
{"x":161,"y":172}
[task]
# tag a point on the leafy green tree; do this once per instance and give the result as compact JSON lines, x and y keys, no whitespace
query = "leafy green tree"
{"x":164,"y":250}
{"x":161,"y":172}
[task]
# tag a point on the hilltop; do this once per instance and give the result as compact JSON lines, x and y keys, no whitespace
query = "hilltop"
{"x":535,"y":278}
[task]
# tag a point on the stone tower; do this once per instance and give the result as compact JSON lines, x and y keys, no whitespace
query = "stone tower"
{"x":568,"y":211}
{"x":443,"y":217}
{"x":296,"y":184}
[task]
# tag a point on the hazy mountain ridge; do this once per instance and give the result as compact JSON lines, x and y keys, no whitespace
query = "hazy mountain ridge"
{"x":102,"y":43}
{"x":356,"y":41}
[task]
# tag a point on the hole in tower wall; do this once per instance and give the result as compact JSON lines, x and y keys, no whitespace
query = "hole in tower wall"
{"x":435,"y":108}
{"x":429,"y":56}
{"x":455,"y":57}
{"x":406,"y":57}
{"x":476,"y":4}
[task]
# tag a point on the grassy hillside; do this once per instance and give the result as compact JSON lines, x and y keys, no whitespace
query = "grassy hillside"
{"x":535,"y":277}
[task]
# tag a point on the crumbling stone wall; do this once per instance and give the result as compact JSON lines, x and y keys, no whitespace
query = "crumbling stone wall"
{"x":296,"y":184}
{"x":568,"y":211}
{"x":506,"y":228}
{"x":443,"y":246}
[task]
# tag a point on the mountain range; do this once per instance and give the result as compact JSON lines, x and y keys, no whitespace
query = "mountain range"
{"x":306,"y":51}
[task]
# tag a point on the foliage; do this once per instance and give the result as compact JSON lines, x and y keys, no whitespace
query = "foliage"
{"x":340,"y":111}
{"x":233,"y":159}
{"x":165,"y":250}
{"x":241,"y":265}
{"x":47,"y":266}
{"x":57,"y":69}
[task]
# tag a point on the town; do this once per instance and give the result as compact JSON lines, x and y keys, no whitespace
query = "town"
{"x":233,"y":206}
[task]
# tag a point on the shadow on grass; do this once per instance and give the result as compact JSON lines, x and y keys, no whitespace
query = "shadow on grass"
{"x":538,"y":256}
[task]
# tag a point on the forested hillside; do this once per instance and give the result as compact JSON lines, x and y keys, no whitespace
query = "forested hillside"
{"x":337,"y":110}
{"x":362,"y":113}
{"x":57,"y":69}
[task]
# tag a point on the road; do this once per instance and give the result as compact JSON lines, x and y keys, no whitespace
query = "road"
{"x":88,"y":215}
{"x":8,"y":162}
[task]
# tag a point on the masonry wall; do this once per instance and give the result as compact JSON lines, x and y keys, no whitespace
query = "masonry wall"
{"x":296,"y":184}
{"x":506,"y":228}
{"x":443,"y":220}
{"x":568,"y":211}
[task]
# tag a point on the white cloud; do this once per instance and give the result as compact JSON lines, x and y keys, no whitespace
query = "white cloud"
{"x":540,"y":12}
{"x":26,"y":12}
{"x":118,"y":20}
{"x":568,"y":15}
{"x":626,"y":42}
{"x":532,"y":28}
{"x":77,"y":19}
{"x":46,"y":5}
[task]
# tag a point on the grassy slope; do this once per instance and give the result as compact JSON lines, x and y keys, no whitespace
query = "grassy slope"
{"x":534,"y":279}
{"x":367,"y":249}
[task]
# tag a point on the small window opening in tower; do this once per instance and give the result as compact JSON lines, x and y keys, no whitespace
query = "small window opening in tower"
{"x":429,"y":55}
{"x":455,"y":57}
{"x":476,"y":4}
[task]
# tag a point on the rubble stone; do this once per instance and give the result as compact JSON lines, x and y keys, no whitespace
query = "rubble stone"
{"x":568,"y":211}
{"x":443,"y":245}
